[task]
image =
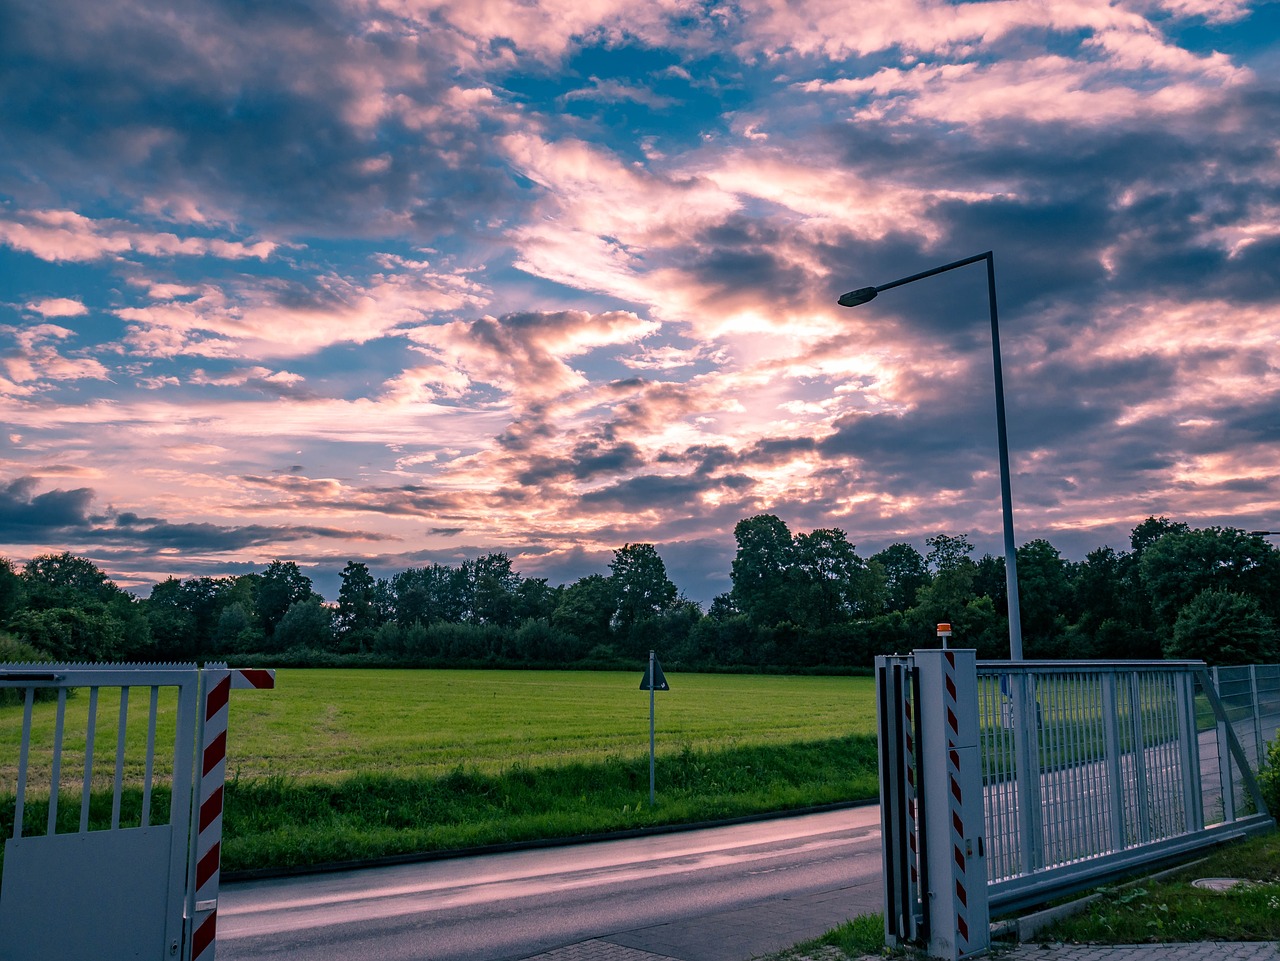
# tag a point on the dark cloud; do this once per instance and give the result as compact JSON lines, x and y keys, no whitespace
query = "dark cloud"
{"x":29,"y":517}
{"x":61,"y":515}
{"x":280,"y":109}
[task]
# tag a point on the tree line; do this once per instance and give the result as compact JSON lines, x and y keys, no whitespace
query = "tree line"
{"x":803,"y":601}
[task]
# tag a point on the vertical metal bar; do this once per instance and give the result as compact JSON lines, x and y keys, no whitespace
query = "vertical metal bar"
{"x":1190,"y":754}
{"x":186,"y":773}
{"x":1027,"y":767}
{"x":29,"y":696}
{"x":1225,"y":777}
{"x":118,"y":787}
{"x":1257,"y":715}
{"x":151,"y":757}
{"x":652,"y":685}
{"x":55,"y":777}
{"x":1047,"y":687}
{"x":892,"y":807}
{"x":922,"y":919}
{"x":1111,"y":735}
{"x":1139,"y":758}
{"x":86,"y":793}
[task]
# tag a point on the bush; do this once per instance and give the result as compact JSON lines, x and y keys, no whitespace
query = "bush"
{"x":1269,"y":779}
{"x":1221,"y":627}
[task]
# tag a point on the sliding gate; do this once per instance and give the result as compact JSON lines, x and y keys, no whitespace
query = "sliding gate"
{"x":115,"y":840}
{"x":1006,"y":784}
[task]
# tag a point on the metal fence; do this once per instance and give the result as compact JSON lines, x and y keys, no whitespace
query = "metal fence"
{"x":1093,"y":768}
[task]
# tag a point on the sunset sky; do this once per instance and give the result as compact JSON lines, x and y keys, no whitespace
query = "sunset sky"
{"x":405,"y":281}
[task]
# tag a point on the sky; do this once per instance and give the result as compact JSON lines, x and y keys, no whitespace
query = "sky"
{"x":409,"y":281}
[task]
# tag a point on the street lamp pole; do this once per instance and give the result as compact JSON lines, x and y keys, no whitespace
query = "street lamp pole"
{"x":864,"y":294}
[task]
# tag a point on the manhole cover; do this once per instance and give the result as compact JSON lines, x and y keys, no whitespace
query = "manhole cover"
{"x":1217,"y":884}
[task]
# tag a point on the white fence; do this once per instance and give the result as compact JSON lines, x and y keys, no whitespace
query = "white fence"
{"x":140,"y":881}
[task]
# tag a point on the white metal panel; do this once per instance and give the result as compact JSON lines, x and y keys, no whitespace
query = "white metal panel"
{"x":101,"y":895}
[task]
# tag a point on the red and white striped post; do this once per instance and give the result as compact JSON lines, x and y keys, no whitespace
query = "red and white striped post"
{"x":206,"y":861}
{"x":951,"y":768}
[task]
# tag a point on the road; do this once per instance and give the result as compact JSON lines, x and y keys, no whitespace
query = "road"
{"x":714,"y":894}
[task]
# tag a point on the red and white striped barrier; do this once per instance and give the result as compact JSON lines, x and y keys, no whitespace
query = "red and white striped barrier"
{"x":203,"y":905}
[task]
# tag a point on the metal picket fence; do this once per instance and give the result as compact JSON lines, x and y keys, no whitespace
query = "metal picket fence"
{"x":1116,"y":764}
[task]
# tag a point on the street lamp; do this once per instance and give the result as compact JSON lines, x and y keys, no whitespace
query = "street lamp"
{"x":864,"y":294}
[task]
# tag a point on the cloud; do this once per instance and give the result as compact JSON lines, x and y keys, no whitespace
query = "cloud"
{"x":64,"y":235}
{"x":51,"y":516}
{"x":35,"y":358}
{"x":524,"y":355}
{"x":57,"y":307}
{"x":259,"y":318}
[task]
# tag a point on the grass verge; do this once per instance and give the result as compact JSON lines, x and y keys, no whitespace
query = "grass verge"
{"x":857,"y":938}
{"x":1171,"y":909}
{"x":278,"y":823}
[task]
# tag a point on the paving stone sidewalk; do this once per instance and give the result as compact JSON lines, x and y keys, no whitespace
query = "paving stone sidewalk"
{"x":1197,"y":951}
{"x":602,"y":950}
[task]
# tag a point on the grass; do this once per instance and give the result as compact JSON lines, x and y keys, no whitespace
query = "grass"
{"x":1171,"y":909}
{"x":859,"y":937}
{"x":335,"y":764}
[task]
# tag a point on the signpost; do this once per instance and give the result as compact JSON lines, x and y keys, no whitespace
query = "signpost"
{"x":653,"y":680}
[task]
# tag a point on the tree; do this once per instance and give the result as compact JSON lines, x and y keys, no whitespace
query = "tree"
{"x":641,"y":587}
{"x":173,"y":627}
{"x":13,"y":592}
{"x":1221,"y":627}
{"x":281,"y":586}
{"x":427,"y":594}
{"x":951,"y":589}
{"x":761,"y":586}
{"x":307,"y":623}
{"x":493,"y":585}
{"x":1150,"y":531}
{"x":65,"y":580}
{"x":831,"y":582}
{"x":905,"y":572}
{"x":357,"y":616}
{"x":1047,"y":601}
{"x":1181,"y":564}
{"x":586,"y":609}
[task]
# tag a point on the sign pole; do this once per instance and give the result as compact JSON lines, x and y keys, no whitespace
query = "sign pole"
{"x":652,"y":685}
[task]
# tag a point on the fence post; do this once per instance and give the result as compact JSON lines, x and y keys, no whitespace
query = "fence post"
{"x":1224,"y":758}
{"x":1026,"y":749}
{"x":1192,"y":794}
{"x":1257,"y":715}
{"x":952,"y":814}
{"x":1111,"y":722}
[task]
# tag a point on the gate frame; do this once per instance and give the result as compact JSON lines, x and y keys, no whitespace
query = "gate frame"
{"x":198,"y":775}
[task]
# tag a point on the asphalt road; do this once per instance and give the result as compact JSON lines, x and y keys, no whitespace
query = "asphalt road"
{"x":716,"y":894}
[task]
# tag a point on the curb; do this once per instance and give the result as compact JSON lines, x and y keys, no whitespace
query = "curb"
{"x":1025,"y":928}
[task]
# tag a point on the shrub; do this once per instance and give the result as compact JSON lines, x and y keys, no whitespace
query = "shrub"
{"x":1269,"y":779}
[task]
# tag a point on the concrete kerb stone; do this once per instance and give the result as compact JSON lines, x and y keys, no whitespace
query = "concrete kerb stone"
{"x":1025,"y":928}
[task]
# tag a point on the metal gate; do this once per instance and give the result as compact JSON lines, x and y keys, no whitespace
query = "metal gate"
{"x":131,"y":870}
{"x":1005,"y":784}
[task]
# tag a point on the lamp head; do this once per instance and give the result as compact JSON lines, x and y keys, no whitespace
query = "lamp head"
{"x":856,"y":297}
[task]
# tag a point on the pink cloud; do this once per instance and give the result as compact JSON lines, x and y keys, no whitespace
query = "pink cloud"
{"x":36,"y":359}
{"x":270,"y":319}
{"x":57,"y":307}
{"x":63,"y":235}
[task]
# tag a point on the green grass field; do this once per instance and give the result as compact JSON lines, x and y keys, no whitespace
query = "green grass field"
{"x":337,"y":764}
